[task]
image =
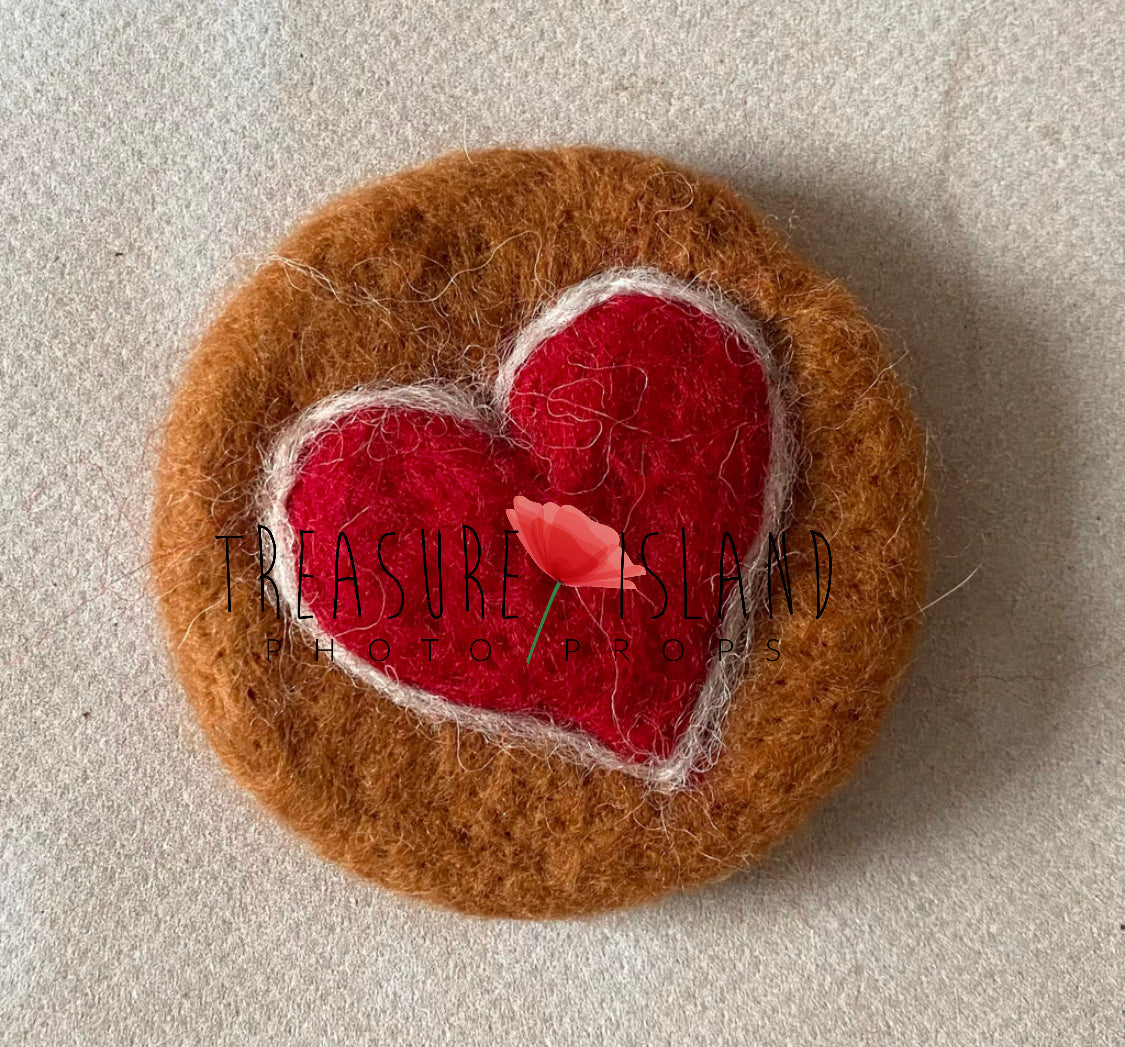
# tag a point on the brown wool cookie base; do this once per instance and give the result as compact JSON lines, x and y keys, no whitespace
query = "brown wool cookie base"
{"x":427,"y":274}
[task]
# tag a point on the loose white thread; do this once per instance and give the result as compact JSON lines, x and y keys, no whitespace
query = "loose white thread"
{"x":699,"y":745}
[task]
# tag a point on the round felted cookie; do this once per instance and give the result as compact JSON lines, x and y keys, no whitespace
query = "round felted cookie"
{"x":585,"y":325}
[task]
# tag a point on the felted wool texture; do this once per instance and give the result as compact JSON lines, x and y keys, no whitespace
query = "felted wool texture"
{"x":641,"y":399}
{"x":423,"y":276}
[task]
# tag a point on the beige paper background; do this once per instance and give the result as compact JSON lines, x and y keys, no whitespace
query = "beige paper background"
{"x":960,"y":165}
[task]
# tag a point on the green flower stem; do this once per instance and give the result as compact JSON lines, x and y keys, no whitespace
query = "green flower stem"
{"x":554,"y":593}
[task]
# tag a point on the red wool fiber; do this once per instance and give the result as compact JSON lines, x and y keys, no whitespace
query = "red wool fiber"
{"x":648,"y":415}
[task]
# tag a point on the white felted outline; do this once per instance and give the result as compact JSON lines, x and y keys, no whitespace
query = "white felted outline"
{"x":699,"y":744}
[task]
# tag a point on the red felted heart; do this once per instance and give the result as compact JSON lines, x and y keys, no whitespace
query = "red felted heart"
{"x":647,"y":414}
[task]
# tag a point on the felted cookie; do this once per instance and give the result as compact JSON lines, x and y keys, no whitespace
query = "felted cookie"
{"x":536,"y":534}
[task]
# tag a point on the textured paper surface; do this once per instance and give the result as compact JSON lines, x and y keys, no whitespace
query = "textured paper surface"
{"x":961,"y":167}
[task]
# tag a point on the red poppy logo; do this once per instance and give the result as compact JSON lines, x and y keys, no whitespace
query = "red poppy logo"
{"x":572,"y":549}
